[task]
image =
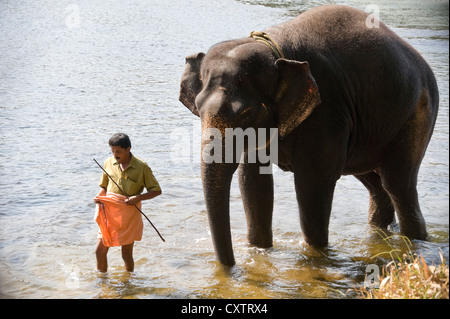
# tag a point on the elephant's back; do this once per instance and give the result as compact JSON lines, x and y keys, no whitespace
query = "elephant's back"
{"x":377,"y":75}
{"x":345,"y":44}
{"x":345,"y":35}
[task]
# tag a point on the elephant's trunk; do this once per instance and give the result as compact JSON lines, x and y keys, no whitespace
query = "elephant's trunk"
{"x":216,"y":178}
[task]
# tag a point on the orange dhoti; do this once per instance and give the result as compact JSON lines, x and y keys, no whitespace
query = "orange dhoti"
{"x":120,"y":224}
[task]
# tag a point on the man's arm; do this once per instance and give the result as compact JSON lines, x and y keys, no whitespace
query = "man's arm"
{"x":137,"y":198}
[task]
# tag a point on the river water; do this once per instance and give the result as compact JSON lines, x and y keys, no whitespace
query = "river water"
{"x":72,"y":73}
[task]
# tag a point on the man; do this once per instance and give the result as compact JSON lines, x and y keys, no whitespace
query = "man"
{"x":132,"y":175}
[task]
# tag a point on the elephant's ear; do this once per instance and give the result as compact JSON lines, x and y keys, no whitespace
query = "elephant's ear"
{"x":191,"y":84}
{"x":297,"y":95}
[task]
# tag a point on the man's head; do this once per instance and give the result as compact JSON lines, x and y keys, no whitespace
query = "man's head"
{"x":120,"y":147}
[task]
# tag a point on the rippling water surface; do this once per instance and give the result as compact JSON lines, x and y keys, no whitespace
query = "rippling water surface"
{"x":72,"y":73}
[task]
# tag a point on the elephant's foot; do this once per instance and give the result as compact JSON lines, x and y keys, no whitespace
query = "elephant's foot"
{"x":261,"y":241}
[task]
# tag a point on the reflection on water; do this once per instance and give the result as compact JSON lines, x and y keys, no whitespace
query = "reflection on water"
{"x":64,"y":89}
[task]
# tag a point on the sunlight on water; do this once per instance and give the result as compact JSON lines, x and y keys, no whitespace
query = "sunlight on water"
{"x":72,"y":74}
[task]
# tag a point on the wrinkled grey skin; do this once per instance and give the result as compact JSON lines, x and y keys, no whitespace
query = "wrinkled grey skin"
{"x":347,"y":100}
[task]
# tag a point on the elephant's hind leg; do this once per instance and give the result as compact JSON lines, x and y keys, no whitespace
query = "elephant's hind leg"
{"x":401,"y":187}
{"x":257,"y":196}
{"x":401,"y":165}
{"x":381,"y":210}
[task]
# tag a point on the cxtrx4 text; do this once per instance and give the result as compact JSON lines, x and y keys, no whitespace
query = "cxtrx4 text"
{"x":231,"y":308}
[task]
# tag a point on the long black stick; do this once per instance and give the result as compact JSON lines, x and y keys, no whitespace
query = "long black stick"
{"x":129,"y":198}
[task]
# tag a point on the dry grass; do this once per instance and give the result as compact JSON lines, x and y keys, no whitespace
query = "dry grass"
{"x":409,"y":277}
{"x":410,"y":280}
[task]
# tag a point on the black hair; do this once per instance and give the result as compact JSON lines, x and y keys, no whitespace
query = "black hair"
{"x":120,"y":139}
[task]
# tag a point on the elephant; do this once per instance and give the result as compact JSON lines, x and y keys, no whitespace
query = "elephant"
{"x":346,"y":98}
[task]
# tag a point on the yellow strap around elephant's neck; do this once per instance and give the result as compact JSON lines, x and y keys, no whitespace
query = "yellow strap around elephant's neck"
{"x":267,"y":40}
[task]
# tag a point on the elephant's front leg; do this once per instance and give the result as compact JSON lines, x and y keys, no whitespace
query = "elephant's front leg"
{"x":257,"y":196}
{"x":314,"y":196}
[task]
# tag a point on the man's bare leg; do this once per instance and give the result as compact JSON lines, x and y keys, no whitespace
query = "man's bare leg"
{"x":101,"y":252}
{"x":127,"y":256}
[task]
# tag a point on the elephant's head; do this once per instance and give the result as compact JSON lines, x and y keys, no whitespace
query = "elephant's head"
{"x":241,"y":84}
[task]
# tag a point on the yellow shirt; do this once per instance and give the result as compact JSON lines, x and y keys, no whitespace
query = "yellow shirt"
{"x":132,"y":180}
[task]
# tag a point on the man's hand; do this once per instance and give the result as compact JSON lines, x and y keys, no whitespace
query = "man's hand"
{"x":133,"y":200}
{"x":101,"y":192}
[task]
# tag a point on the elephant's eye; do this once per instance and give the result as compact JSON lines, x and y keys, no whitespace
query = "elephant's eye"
{"x":245,"y":111}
